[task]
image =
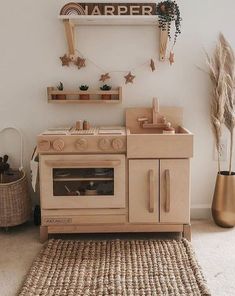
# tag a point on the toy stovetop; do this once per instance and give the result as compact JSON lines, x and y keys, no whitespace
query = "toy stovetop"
{"x":95,"y":131}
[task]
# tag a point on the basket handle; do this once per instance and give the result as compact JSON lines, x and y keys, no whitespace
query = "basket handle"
{"x":21,"y":142}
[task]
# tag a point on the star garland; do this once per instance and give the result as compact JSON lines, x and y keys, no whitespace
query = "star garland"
{"x":129,"y":78}
{"x":65,"y":60}
{"x":80,"y":62}
{"x":104,"y":77}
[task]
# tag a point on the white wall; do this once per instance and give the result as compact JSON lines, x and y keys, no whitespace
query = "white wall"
{"x":32,"y":39}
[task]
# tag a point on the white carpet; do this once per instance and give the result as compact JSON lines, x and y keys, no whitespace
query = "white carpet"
{"x":215,"y":250}
{"x":214,"y":246}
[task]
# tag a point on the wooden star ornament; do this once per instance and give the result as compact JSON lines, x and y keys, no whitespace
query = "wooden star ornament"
{"x":152,"y":65}
{"x":65,"y":60}
{"x":80,"y":63}
{"x":129,"y":78}
{"x":104,"y":77}
{"x":172,"y":58}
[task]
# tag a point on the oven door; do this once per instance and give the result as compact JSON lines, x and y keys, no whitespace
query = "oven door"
{"x":82,"y":181}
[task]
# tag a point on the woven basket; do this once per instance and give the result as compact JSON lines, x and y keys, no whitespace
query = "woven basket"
{"x":15,"y":203}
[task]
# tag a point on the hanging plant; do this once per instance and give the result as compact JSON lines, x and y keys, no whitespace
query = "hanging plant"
{"x":168,"y":12}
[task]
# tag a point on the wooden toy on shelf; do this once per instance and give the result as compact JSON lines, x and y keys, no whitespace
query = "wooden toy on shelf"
{"x":60,"y":95}
{"x":105,"y":88}
{"x":84,"y":96}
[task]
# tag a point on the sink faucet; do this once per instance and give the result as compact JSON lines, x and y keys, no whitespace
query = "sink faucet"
{"x":158,"y":120}
{"x":155,"y":110}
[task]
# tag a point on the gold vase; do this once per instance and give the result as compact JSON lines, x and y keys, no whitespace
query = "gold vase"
{"x":223,"y":206}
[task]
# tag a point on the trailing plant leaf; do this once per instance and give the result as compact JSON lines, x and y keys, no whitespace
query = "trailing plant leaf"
{"x":60,"y":86}
{"x":83,"y":87}
{"x":168,"y":12}
{"x":105,"y":87}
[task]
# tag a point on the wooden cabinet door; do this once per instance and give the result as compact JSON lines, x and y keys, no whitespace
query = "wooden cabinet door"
{"x":144,"y":191}
{"x":174,"y":191}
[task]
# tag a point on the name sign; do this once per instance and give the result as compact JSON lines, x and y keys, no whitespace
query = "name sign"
{"x":73,"y":8}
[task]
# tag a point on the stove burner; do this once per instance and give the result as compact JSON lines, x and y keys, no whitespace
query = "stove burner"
{"x":91,"y":131}
{"x":103,"y":140}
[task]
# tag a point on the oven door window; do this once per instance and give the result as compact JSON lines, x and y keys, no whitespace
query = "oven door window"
{"x":83,"y":181}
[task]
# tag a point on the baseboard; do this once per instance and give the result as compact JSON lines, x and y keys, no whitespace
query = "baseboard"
{"x":201,"y":211}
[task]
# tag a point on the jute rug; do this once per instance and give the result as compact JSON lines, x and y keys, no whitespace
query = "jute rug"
{"x":118,"y":267}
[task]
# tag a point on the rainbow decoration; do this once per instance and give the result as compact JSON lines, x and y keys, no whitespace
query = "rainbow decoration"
{"x":72,"y":8}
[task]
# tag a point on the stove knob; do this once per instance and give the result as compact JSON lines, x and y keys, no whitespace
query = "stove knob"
{"x":58,"y":145}
{"x":81,"y":144}
{"x":44,"y":145}
{"x":117,"y":144}
{"x":104,"y":144}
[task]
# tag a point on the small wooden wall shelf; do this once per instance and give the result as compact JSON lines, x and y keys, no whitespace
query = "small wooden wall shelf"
{"x":95,"y":96}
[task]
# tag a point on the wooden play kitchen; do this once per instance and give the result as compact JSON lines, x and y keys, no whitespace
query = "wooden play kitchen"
{"x":118,"y":179}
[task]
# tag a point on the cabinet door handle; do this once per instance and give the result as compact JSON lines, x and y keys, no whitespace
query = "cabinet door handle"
{"x":83,"y":164}
{"x":168,"y":194}
{"x":151,"y":191}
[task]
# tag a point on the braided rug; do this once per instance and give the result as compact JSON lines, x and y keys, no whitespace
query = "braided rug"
{"x":118,"y":267}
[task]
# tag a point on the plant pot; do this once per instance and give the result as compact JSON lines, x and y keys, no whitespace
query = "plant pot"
{"x":90,"y":192}
{"x":60,"y":97}
{"x":84,"y":97}
{"x":223,"y":206}
{"x":106,"y":97}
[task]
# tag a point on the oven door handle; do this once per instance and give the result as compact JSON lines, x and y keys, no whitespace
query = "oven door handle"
{"x":83,"y":163}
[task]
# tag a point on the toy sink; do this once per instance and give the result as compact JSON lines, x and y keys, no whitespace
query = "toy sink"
{"x":149,"y":142}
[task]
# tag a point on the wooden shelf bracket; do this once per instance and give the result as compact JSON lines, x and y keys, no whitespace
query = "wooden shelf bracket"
{"x":163,"y":44}
{"x":70,"y":35}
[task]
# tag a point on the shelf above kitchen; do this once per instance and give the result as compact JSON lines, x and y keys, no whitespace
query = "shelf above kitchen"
{"x":115,"y":20}
{"x":75,"y":97}
{"x":75,"y":15}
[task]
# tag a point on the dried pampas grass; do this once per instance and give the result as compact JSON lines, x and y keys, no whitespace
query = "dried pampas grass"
{"x":222,"y":75}
{"x":218,"y":98}
{"x":229,"y":112}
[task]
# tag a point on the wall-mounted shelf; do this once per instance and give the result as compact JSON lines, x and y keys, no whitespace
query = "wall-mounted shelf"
{"x":95,"y":96}
{"x":72,"y":21}
{"x":115,"y":20}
